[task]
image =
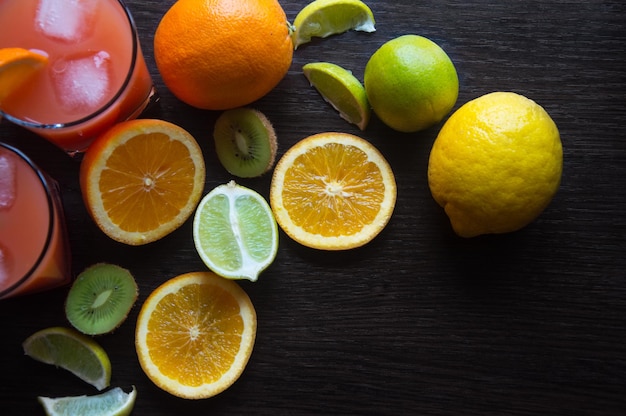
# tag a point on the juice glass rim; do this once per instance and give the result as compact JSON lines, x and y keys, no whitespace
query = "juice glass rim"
{"x":48,"y":189}
{"x":105,"y":106}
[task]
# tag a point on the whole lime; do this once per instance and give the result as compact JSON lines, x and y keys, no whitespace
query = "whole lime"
{"x":411,"y":83}
{"x":496,"y":164}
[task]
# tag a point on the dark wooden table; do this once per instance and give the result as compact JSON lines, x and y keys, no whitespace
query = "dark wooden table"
{"x":419,"y":321}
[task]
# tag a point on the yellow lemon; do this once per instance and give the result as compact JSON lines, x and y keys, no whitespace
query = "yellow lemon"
{"x":411,"y":83}
{"x":496,"y":164}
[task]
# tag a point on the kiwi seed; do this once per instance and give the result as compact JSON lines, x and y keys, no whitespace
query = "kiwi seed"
{"x":100,"y":298}
{"x":245,"y":142}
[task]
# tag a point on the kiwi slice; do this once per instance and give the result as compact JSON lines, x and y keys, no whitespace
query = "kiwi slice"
{"x":100,"y":298}
{"x":245,"y":142}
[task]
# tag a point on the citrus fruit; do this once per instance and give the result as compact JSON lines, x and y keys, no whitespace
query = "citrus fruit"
{"x":341,"y":89}
{"x":17,"y":65}
{"x":195,"y":334}
{"x":323,"y":18}
{"x":333,"y":191}
{"x":114,"y":402}
{"x":411,"y":83}
{"x":235,"y":232}
{"x":222,"y":54}
{"x":496,"y":164}
{"x":72,"y":351}
{"x":142,"y":179}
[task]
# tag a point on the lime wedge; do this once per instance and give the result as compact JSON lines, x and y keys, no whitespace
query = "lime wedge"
{"x":114,"y":402}
{"x":322,"y":18}
{"x":235,"y":232}
{"x":341,"y":89}
{"x":73,"y":351}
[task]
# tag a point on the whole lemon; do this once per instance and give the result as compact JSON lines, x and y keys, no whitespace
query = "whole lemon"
{"x":411,"y":83}
{"x":222,"y":54}
{"x":496,"y":164}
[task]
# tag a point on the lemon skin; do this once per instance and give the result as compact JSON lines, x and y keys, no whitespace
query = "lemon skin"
{"x":496,"y":164}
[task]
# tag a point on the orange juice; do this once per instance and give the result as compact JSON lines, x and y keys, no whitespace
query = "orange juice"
{"x":34,"y":253}
{"x":96,"y":74}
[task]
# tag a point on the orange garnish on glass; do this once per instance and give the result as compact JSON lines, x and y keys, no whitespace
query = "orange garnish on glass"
{"x":17,"y":66}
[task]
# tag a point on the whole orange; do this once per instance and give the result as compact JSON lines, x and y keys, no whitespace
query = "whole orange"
{"x":222,"y":54}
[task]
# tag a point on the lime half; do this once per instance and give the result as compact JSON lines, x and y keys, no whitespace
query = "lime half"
{"x":235,"y":232}
{"x":114,"y":402}
{"x":341,"y":89}
{"x":322,"y":18}
{"x":73,"y":351}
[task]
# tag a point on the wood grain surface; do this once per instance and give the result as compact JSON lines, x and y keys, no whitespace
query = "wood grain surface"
{"x":419,"y":321}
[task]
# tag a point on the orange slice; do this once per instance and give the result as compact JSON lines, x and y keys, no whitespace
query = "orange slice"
{"x":333,"y":191}
{"x":142,"y":179}
{"x":17,"y":65}
{"x":195,"y":334}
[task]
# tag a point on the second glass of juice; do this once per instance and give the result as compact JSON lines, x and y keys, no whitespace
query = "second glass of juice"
{"x":95,"y":77}
{"x":34,"y":249}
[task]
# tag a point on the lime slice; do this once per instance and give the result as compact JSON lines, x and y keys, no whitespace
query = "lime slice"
{"x":322,"y":18}
{"x":341,"y":89}
{"x":114,"y":402}
{"x":235,"y":232}
{"x":73,"y":351}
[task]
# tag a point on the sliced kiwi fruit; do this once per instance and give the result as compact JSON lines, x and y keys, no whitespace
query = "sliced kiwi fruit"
{"x":245,"y":142}
{"x":100,"y":298}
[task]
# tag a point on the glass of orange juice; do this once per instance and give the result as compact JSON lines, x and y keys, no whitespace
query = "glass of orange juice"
{"x":95,"y":77}
{"x":34,"y":250}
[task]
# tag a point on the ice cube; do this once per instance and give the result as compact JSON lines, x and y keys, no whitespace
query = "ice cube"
{"x":8,"y":181}
{"x":83,"y":82}
{"x":66,"y":20}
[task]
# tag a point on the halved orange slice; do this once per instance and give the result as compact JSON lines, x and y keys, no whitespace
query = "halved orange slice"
{"x":142,"y":179}
{"x":17,"y":65}
{"x":195,"y":334}
{"x":333,"y":191}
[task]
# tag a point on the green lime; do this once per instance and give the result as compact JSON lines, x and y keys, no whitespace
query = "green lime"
{"x":73,"y":351}
{"x":411,"y":83}
{"x":114,"y":402}
{"x":323,"y":18}
{"x":341,"y":89}
{"x":235,"y":232}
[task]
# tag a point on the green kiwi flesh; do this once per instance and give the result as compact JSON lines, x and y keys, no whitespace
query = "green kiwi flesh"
{"x":245,"y":142}
{"x":100,"y":299}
